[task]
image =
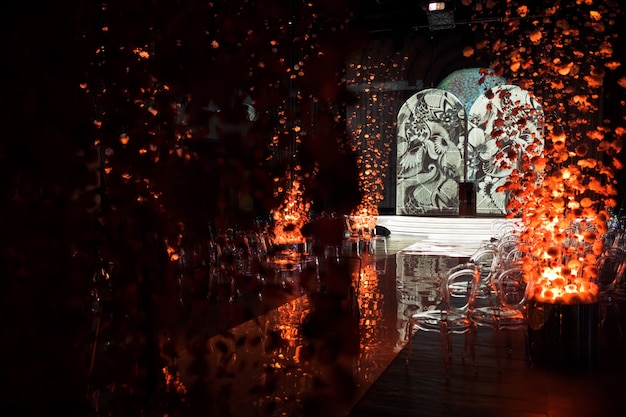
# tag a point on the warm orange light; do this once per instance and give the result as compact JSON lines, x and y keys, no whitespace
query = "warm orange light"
{"x":535,"y":36}
{"x":362,"y":225}
{"x":290,"y":217}
{"x":595,"y":15}
{"x":560,"y":285}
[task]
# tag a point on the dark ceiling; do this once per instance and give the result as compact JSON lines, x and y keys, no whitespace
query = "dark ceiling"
{"x":385,"y":16}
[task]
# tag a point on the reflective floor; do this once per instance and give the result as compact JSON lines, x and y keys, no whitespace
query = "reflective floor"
{"x":334,"y":344}
{"x":313,"y":351}
{"x":515,"y":388}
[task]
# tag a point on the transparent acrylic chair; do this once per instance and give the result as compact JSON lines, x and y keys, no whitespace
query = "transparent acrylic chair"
{"x":449,"y":316}
{"x":500,"y":308}
{"x":359,"y":233}
{"x":494,"y":257}
{"x":501,"y":228}
{"x":486,"y":258}
{"x":611,"y":268}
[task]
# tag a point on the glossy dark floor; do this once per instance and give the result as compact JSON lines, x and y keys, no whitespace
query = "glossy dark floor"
{"x":513,"y":387}
{"x":294,"y":352}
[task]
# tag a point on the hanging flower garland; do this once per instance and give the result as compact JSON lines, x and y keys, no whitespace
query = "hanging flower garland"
{"x":563,"y":192}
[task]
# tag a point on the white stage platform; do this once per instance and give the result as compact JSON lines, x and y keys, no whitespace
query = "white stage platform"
{"x":460,"y":235}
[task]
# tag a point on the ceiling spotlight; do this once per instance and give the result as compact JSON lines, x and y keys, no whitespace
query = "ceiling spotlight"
{"x":440,"y":15}
{"x":436,"y":5}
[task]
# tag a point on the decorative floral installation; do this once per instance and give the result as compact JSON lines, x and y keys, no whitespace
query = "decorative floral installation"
{"x":290,"y":216}
{"x":372,"y":160}
{"x":371,"y":135}
{"x":128,"y":90}
{"x":563,"y":192}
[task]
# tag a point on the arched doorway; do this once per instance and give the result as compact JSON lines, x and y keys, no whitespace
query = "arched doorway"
{"x":441,"y":145}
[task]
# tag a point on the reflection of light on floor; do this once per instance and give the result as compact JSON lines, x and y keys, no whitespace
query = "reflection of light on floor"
{"x":292,"y":377}
{"x":417,"y":276}
{"x":427,"y":247}
{"x":265,"y":363}
{"x":371,"y":311}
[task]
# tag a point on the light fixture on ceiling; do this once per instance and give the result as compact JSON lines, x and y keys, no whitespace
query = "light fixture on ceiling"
{"x":440,"y":14}
{"x":436,"y":5}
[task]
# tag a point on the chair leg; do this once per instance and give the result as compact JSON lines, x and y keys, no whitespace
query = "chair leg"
{"x":497,"y":337}
{"x":509,"y":344}
{"x":446,"y":346}
{"x":467,"y":343}
{"x":616,"y":314}
{"x":602,"y":314}
{"x":529,"y":357}
{"x":409,"y":342}
{"x":472,"y":336}
{"x":618,"y":318}
{"x":377,"y":239}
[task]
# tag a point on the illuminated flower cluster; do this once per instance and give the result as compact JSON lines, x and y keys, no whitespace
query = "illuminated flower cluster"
{"x":564,"y":191}
{"x":290,"y":216}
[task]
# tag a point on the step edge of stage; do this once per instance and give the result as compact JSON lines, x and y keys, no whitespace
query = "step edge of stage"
{"x":456,"y":227}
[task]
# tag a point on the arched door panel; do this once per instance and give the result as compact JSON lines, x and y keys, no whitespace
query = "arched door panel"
{"x":432,"y":127}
